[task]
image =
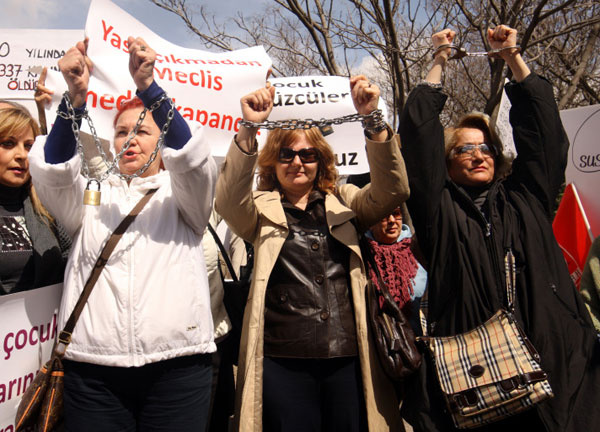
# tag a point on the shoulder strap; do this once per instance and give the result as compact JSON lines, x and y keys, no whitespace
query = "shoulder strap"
{"x":223,"y":252}
{"x":64,"y":336}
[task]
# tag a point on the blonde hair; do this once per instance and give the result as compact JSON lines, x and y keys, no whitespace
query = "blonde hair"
{"x":480,"y":121}
{"x":13,"y":121}
{"x":268,"y":158}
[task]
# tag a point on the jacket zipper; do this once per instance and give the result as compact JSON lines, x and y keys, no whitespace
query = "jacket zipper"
{"x":488,"y":235}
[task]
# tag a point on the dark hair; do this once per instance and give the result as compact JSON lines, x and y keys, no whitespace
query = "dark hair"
{"x":268,"y":158}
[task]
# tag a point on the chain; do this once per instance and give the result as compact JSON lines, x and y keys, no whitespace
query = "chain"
{"x":375,"y":117}
{"x":462,"y":53}
{"x":112,"y":167}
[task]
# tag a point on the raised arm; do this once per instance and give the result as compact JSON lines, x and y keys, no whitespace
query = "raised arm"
{"x":389,"y":185}
{"x":541,"y":142}
{"x":422,"y":137}
{"x":233,"y":198}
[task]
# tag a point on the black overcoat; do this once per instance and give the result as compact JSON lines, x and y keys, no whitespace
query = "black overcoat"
{"x":465,"y":255}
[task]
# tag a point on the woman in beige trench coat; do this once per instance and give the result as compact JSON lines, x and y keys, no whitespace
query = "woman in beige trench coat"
{"x":296,"y":176}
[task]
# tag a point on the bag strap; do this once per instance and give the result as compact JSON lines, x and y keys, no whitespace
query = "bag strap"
{"x":511,"y":279}
{"x":223,"y":252}
{"x":64,"y":337}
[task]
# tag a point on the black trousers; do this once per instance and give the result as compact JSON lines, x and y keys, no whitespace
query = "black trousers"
{"x":223,"y":385}
{"x":307,"y":395}
{"x":171,"y":395}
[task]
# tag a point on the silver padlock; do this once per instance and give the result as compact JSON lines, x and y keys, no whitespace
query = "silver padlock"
{"x":91,"y":195}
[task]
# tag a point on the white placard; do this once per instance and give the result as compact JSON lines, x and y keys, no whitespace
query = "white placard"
{"x":23,"y":53}
{"x":583,"y":167}
{"x":205,"y":86}
{"x":318,"y":97}
{"x":27,"y":332}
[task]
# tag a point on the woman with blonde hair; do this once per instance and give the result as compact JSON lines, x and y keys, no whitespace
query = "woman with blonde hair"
{"x":34,"y":247}
{"x":307,"y":360}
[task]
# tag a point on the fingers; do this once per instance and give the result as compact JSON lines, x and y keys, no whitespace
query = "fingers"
{"x":141,"y":62}
{"x":362,"y":90}
{"x":443,"y":37}
{"x":139,"y":50}
{"x":260,"y":100}
{"x":501,"y":33}
{"x":72,"y":63}
{"x":43,"y":75}
{"x":257,"y":106}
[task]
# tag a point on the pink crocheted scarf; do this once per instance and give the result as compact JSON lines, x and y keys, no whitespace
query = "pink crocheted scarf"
{"x":397,"y":267}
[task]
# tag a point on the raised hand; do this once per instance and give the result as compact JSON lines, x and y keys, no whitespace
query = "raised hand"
{"x":141,"y":62}
{"x":444,"y":37}
{"x":504,"y":36}
{"x":42,"y":97}
{"x":257,"y":106}
{"x":76,"y":67}
{"x":365,"y":95}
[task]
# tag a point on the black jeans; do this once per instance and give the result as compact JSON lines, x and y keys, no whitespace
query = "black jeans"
{"x":171,"y":395}
{"x":308,"y":395}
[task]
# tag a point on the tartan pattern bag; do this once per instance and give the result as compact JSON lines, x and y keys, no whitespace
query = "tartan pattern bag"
{"x":490,"y":372}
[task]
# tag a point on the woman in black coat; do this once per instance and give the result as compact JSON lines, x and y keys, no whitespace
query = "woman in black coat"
{"x":466,"y":215}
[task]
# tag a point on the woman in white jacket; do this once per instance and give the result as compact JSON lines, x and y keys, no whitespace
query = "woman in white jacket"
{"x":140,"y":353}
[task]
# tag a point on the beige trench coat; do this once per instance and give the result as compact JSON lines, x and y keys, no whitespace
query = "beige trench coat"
{"x":258,"y":217}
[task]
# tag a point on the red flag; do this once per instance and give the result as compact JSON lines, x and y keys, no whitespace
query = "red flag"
{"x":572,"y":231}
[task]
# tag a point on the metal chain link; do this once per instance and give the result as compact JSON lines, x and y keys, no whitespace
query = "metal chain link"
{"x":112,"y":167}
{"x":373,"y":118}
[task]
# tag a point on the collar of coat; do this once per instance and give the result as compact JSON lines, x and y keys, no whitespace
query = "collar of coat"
{"x":269,"y":206}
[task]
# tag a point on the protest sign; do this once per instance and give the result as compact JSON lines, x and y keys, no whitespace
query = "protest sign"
{"x":318,"y":97}
{"x":23,"y":53}
{"x":501,"y":123}
{"x":583,"y":167}
{"x":205,"y":86}
{"x":27,"y":332}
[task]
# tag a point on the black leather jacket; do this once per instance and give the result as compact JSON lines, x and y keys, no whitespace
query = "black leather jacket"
{"x":308,"y":311}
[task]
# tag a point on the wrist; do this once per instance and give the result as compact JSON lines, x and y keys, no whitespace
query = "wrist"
{"x":373,"y":123}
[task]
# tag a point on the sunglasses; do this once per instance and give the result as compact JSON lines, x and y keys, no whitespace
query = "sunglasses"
{"x":306,"y":155}
{"x":397,"y":213}
{"x":468,"y":151}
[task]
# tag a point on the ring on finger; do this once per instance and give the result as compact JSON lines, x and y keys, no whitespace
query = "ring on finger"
{"x":143,"y":48}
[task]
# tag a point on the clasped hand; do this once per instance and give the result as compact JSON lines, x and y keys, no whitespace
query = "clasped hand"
{"x":76,"y":67}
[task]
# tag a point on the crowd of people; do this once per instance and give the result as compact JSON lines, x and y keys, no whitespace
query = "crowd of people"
{"x":441,"y":209}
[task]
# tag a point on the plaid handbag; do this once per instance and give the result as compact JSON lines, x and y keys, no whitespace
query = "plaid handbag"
{"x":492,"y":371}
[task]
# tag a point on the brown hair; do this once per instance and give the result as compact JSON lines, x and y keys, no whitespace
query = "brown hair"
{"x":268,"y":157}
{"x":480,"y":121}
{"x":14,"y":121}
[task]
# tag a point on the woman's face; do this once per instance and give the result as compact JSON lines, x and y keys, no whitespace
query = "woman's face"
{"x":14,"y":166}
{"x":296,"y":176}
{"x":475,"y":168}
{"x":388,"y":230}
{"x":142,"y":145}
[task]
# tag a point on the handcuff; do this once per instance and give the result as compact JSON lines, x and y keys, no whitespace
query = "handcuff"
{"x":462,"y":53}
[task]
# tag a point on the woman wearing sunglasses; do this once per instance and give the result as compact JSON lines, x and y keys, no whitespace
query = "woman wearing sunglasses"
{"x":467,"y":215}
{"x":306,"y":361}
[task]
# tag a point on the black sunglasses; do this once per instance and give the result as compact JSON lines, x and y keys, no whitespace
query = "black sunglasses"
{"x":307,"y":155}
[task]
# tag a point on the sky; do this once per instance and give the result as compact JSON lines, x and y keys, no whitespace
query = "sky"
{"x":72,"y":14}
